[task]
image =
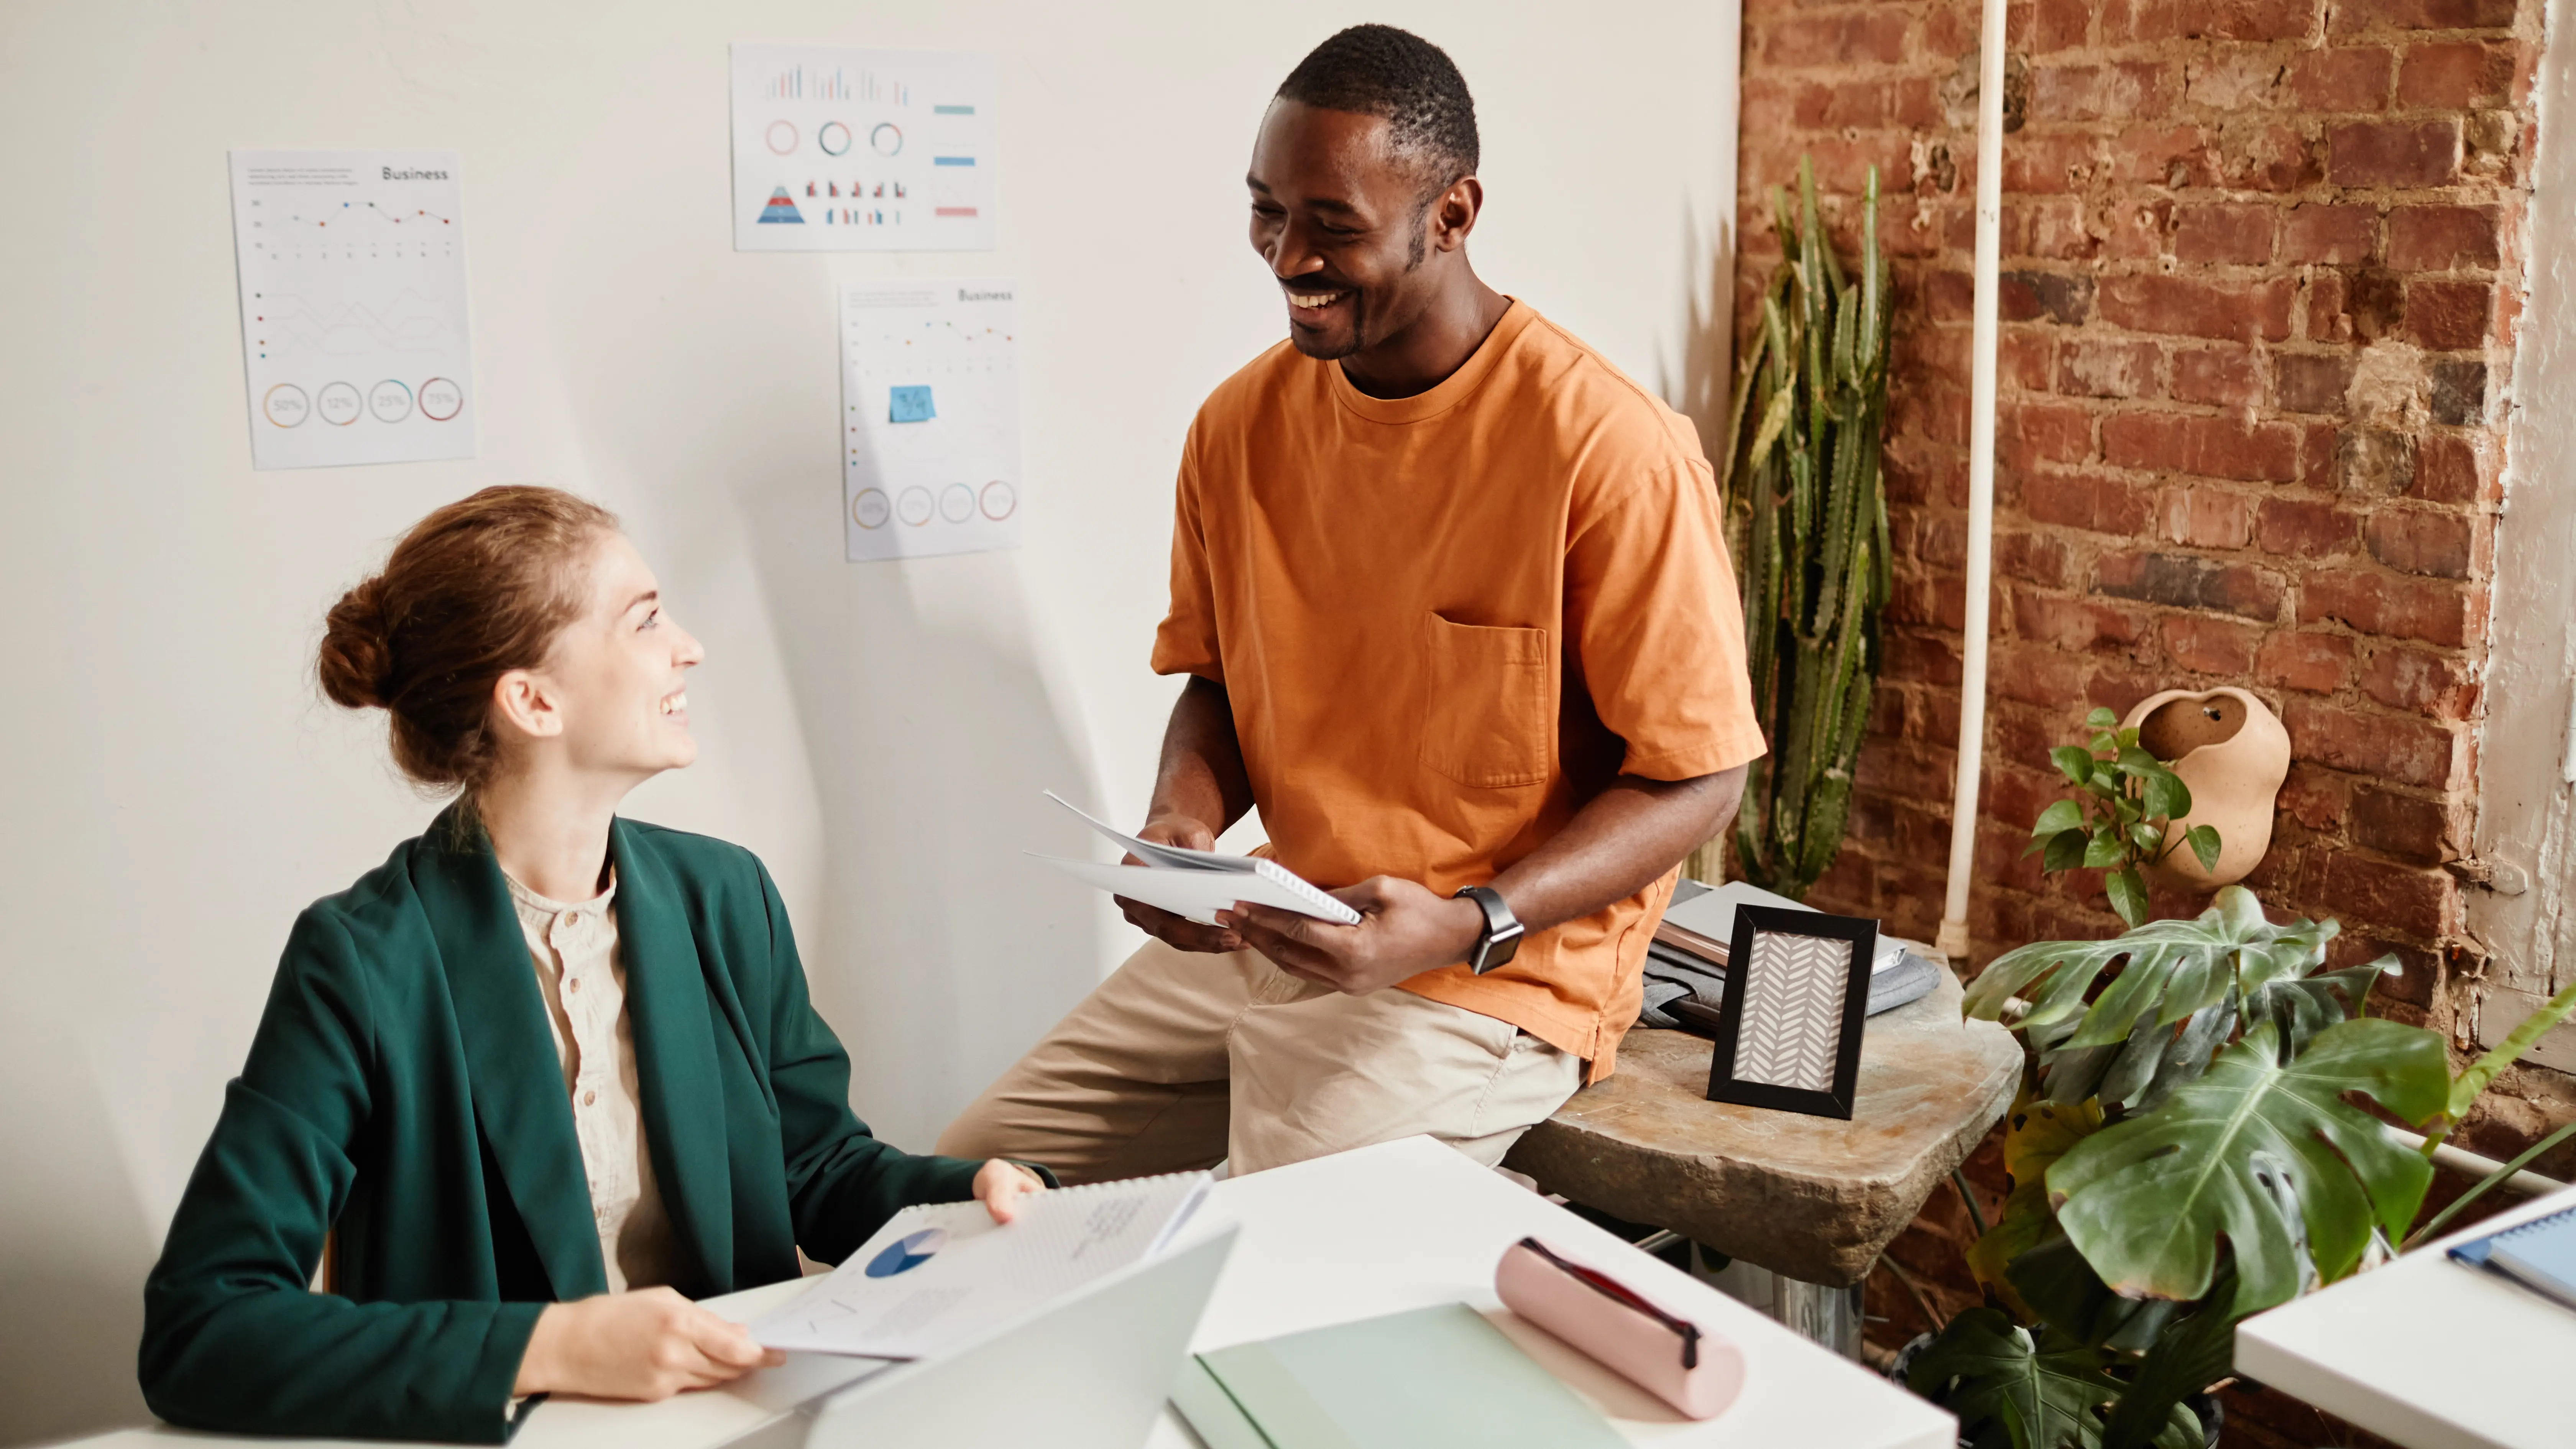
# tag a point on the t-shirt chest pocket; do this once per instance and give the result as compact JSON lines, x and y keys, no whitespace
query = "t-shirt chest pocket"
{"x":1485,"y":716}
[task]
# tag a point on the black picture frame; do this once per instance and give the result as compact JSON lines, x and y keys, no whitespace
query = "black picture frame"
{"x":1748,"y":957}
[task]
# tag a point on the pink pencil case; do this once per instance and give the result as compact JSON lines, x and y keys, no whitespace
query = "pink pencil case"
{"x":1668,"y":1356}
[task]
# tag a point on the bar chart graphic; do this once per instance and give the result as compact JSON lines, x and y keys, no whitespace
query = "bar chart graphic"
{"x":909,"y":133}
{"x":354,"y":334}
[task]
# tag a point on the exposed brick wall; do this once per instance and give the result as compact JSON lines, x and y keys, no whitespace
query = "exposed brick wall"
{"x":2262,"y":264}
{"x":2261,"y":272}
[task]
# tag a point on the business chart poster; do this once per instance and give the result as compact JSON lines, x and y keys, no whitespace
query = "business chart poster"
{"x":353,"y":307}
{"x":841,"y":150}
{"x":930,"y":418}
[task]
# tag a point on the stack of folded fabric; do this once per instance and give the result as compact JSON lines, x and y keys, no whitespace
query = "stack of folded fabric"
{"x":1686,"y":961}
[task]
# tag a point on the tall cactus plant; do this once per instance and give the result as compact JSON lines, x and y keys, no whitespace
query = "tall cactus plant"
{"x":1807,"y":520}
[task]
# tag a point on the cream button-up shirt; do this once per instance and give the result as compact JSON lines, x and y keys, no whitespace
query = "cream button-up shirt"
{"x":574,"y":948}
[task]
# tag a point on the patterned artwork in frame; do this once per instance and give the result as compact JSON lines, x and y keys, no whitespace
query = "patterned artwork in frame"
{"x":1797,"y":989}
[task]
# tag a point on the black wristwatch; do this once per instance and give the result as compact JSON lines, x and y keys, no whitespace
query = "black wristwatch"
{"x":1502,"y":934}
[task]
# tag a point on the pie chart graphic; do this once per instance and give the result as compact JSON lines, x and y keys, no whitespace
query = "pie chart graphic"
{"x":781,"y":136}
{"x":886,"y":139}
{"x":957,"y":503}
{"x":999,"y":498}
{"x":870,"y":509}
{"x":834,"y":138}
{"x":914,"y":506}
{"x":907,"y":1252}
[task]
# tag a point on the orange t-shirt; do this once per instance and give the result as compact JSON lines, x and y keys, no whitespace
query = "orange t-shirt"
{"x":1445,"y":622}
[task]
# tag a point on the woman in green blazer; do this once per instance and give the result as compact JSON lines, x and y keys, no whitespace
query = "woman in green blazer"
{"x":423,"y":1093}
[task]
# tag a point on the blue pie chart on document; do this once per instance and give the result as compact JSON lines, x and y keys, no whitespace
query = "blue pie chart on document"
{"x":907,"y":1252}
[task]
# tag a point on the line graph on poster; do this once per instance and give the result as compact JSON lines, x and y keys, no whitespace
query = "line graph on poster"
{"x":930,"y":418}
{"x":354,"y":332}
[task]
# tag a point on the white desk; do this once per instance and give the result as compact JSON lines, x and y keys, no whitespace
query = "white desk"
{"x":1401,"y":1225}
{"x":2427,"y":1352}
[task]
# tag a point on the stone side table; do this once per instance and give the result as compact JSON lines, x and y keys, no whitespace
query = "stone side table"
{"x":1809,"y":1199}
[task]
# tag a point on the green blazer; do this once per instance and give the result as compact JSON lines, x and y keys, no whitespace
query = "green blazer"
{"x":404,"y":1087}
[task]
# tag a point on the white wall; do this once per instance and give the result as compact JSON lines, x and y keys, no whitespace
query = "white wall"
{"x":173,"y":787}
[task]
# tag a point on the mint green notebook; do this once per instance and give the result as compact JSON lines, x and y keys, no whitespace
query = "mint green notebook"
{"x":1435,"y":1378}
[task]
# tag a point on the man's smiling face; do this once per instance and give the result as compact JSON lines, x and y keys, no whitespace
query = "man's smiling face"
{"x":1340,"y":216}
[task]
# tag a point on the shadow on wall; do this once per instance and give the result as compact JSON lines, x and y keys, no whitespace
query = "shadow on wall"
{"x":71,"y":1305}
{"x":941,"y":952}
{"x":1702,"y":385}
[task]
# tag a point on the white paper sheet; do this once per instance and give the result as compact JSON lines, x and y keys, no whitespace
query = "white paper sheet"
{"x":1200,"y":894}
{"x":936,"y":1274}
{"x":844,"y":150}
{"x":354,"y":339}
{"x":930,"y":417}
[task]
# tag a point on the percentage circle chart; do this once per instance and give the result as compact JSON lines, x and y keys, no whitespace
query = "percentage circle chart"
{"x":340,"y":404}
{"x":286,"y":405}
{"x":886,"y":139}
{"x":781,"y":136}
{"x":834,"y":138}
{"x":999,"y":499}
{"x":915,"y":507}
{"x":390,"y":401}
{"x":871,"y":508}
{"x":957,"y":503}
{"x":441,"y":400}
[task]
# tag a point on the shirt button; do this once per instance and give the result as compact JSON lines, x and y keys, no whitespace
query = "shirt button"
{"x":588,"y":1098}
{"x":567,"y":920}
{"x":575,"y":984}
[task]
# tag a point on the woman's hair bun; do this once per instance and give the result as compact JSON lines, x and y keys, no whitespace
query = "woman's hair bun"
{"x":357,"y":659}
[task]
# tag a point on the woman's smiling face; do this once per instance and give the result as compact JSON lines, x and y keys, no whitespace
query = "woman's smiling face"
{"x":615,"y":676}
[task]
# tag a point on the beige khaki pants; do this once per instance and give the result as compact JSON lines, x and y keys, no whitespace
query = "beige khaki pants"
{"x":1183,"y":1059}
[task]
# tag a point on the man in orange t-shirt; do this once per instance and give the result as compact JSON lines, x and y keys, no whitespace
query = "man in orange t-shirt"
{"x":1456,"y":615}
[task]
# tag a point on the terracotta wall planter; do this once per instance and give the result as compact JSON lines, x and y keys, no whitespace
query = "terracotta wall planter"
{"x":2230,"y":749}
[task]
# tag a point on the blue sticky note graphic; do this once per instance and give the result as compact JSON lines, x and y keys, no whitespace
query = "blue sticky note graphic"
{"x":910,"y":405}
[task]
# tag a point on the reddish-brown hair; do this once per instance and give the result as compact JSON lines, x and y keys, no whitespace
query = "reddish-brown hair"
{"x":475,"y":590}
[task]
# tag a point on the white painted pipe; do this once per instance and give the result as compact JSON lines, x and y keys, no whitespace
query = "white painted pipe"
{"x":1953,"y":939}
{"x":2474,"y":1166}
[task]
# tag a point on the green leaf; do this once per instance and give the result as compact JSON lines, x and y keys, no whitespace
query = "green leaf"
{"x":2128,"y":894}
{"x":2074,"y":762}
{"x":2506,"y":1052}
{"x":2302,"y":1006}
{"x":2148,"y":1201}
{"x":2060,"y":815}
{"x":2065,"y":851}
{"x":2174,"y":969}
{"x":2071,"y":1298}
{"x":2040,"y":1395}
{"x":2100,"y":719}
{"x":2104,"y":849}
{"x":2164,"y":796}
{"x":2203,"y":840}
{"x":2147,"y":839}
{"x":2187,"y":1357}
{"x":2036,"y":1134}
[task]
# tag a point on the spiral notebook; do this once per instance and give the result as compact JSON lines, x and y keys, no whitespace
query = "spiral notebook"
{"x":941,"y":1272}
{"x":2540,"y":1255}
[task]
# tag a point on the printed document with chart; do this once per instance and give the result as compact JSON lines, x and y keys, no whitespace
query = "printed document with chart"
{"x":939,"y":1273}
{"x":837,"y":149}
{"x":353,"y":306}
{"x":930,"y":417}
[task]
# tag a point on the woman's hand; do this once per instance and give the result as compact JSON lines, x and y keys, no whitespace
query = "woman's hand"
{"x":648,"y":1344}
{"x":1000,"y":1185}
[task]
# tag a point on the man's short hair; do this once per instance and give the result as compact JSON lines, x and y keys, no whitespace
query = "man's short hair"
{"x":1378,"y":70}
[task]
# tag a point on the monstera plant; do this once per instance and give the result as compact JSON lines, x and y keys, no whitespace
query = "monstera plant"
{"x":2188,"y":1149}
